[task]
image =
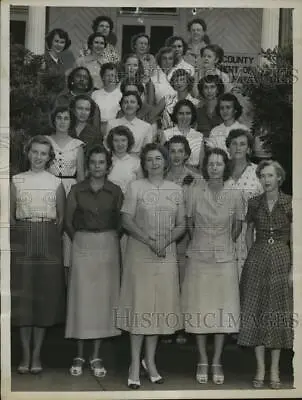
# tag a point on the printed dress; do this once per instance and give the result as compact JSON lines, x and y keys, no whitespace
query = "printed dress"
{"x":265,"y":293}
{"x":64,"y":167}
{"x":149,"y":301}
{"x":250,"y":186}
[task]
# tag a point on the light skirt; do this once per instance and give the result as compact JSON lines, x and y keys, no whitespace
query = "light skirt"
{"x":93,"y":290}
{"x":210,"y":297}
{"x":149,"y":301}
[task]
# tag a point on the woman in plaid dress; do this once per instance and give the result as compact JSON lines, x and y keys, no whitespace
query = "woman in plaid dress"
{"x":266,"y":293}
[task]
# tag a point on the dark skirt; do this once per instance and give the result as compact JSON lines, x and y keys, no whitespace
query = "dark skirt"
{"x":37,"y":274}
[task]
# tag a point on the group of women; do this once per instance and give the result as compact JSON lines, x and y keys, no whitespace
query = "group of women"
{"x":145,"y":192}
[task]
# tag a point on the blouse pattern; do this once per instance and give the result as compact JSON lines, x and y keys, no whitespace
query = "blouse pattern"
{"x":36,"y":195}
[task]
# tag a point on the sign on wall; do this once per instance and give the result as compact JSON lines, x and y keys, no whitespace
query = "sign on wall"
{"x":240,"y":64}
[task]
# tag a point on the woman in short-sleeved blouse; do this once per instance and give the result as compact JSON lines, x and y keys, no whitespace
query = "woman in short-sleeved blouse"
{"x":243,"y":177}
{"x":153,"y":215}
{"x":68,"y":164}
{"x":266,"y":282}
{"x":210,"y":292}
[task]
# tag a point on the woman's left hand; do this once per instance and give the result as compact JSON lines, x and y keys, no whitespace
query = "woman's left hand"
{"x":161,"y":244}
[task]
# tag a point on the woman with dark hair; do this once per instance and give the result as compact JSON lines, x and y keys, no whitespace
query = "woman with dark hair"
{"x":211,"y":57}
{"x":180,"y":47}
{"x":243,"y":177}
{"x":52,"y":73}
{"x":266,"y":282}
{"x":198,"y":39}
{"x":92,"y":221}
{"x":83,"y":109}
{"x":97,"y":56}
{"x":210,"y":292}
{"x":37,"y":272}
{"x":68,"y":164}
{"x":79,"y":81}
{"x":142,"y":131}
{"x":230,"y":110}
{"x":183,"y":118}
{"x":104,"y":26}
{"x":210,"y":88}
{"x":108,"y":98}
{"x":182,"y":82}
{"x":125,"y":167}
{"x":153,"y":215}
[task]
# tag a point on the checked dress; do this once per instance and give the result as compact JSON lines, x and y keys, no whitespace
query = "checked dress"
{"x":265,"y":293}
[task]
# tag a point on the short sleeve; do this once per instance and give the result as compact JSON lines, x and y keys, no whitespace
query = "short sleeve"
{"x":130,"y":200}
{"x":250,"y":211}
{"x":239,"y":206}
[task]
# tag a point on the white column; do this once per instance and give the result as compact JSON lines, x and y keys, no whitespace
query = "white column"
{"x":270,"y":28}
{"x":36,"y":25}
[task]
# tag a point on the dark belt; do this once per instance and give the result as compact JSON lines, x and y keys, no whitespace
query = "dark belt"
{"x":66,"y":176}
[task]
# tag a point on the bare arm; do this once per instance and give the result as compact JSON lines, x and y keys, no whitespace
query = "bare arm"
{"x":71,"y":206}
{"x":249,"y":237}
{"x":236,"y":229}
{"x":60,"y":205}
{"x":80,"y":165}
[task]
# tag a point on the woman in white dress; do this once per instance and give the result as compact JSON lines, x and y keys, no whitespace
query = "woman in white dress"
{"x":244,"y":178}
{"x":184,"y":117}
{"x":230,"y":110}
{"x":154,"y":216}
{"x":68,"y":164}
{"x":210,"y":292}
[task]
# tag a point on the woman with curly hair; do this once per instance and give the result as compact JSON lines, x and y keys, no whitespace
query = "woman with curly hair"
{"x":180,"y":47}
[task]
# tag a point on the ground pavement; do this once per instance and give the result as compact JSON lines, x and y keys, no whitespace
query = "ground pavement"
{"x":177,"y":363}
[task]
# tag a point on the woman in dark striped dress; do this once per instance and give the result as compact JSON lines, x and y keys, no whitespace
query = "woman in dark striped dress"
{"x":37,"y":272}
{"x":266,"y":280}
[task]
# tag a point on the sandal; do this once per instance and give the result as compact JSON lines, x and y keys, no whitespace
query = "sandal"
{"x":23,"y":369}
{"x":275,"y":384}
{"x":202,"y":373}
{"x":77,"y":366}
{"x":97,"y":368}
{"x":258,"y":383}
{"x":218,"y":376}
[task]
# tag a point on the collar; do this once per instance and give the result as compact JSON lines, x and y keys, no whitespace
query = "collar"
{"x":130,"y":122}
{"x":55,"y":60}
{"x":282,"y":200}
{"x":86,"y":187}
{"x":126,"y":157}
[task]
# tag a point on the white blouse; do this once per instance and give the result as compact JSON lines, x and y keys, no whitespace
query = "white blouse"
{"x":124,"y":170}
{"x":108,"y":103}
{"x":36,"y":195}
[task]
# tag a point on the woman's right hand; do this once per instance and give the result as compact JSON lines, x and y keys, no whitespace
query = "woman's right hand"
{"x":153,"y":244}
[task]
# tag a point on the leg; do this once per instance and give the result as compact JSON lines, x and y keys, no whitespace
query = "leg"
{"x":39,"y":334}
{"x":77,"y":364}
{"x":202,"y":366}
{"x":260,"y":359}
{"x":96,"y":364}
{"x":25,"y":336}
{"x":136,"y":342}
{"x":275,"y":379}
{"x":66,"y":272}
{"x":218,"y":376}
{"x":149,"y":361}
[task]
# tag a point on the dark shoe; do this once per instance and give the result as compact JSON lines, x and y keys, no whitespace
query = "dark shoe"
{"x":153,"y":379}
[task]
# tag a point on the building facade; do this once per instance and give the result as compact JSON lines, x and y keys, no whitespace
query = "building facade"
{"x":241,"y":32}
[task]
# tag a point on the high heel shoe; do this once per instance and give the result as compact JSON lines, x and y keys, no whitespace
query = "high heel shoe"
{"x":202,"y":373}
{"x":153,"y":379}
{"x":132,"y":384}
{"x":218,"y":376}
